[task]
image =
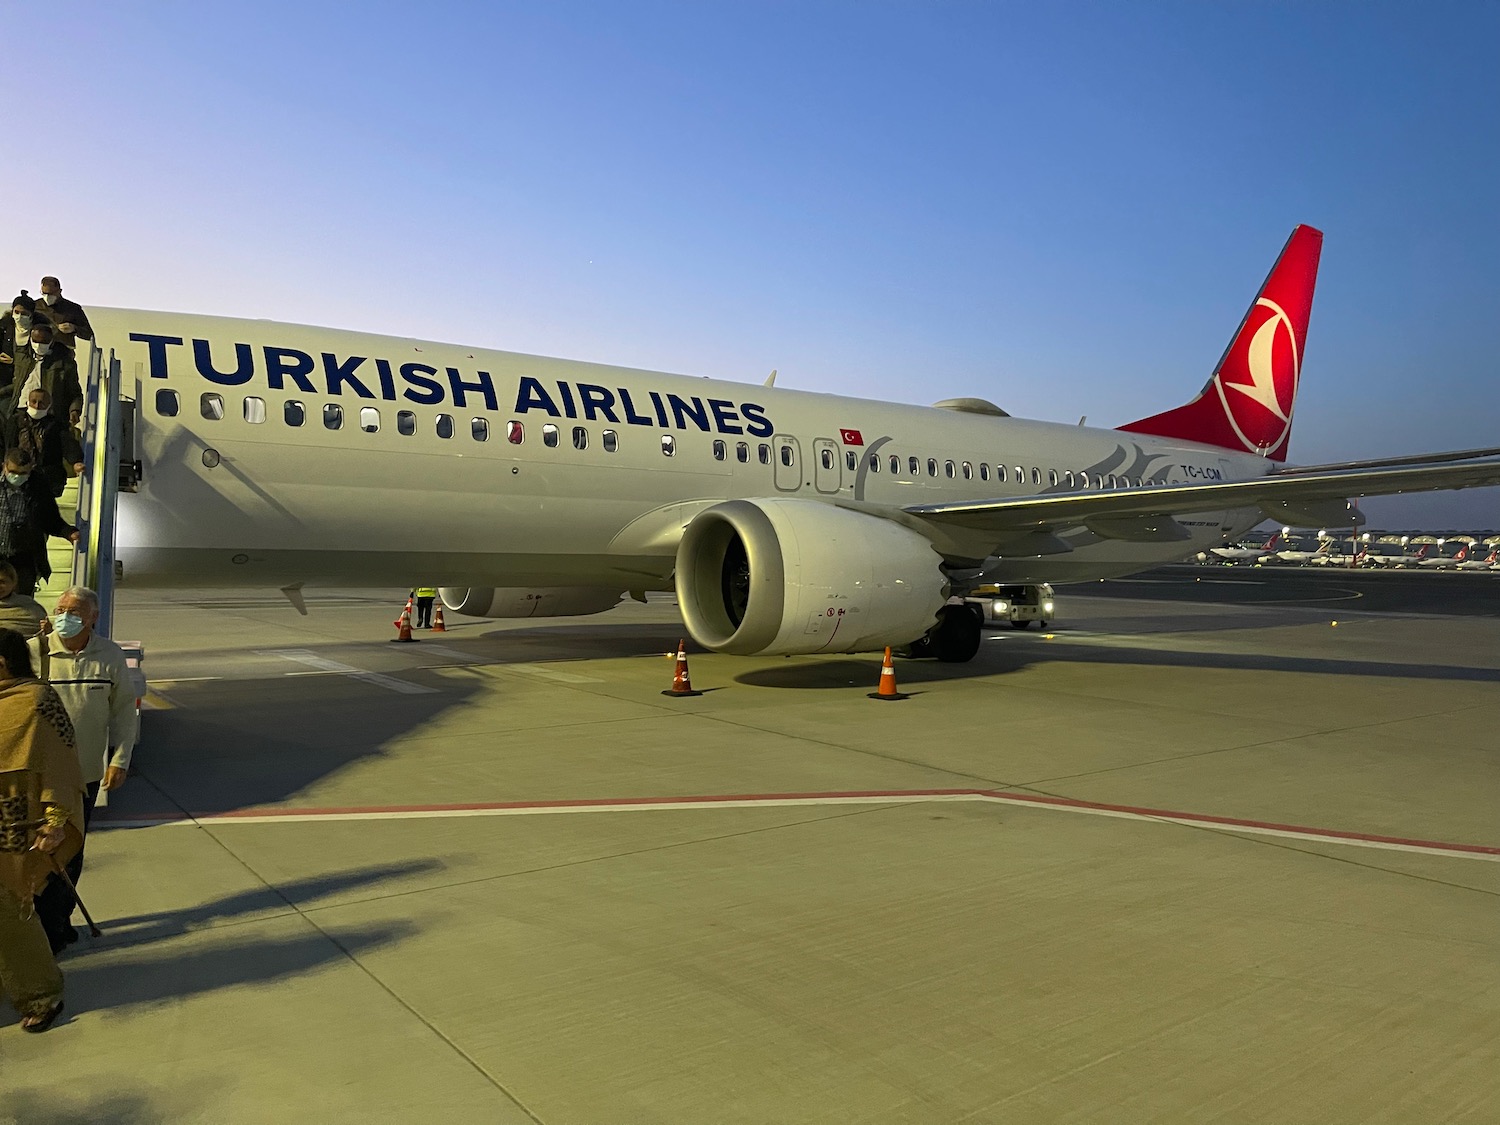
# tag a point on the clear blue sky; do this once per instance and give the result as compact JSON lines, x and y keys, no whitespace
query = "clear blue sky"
{"x":1061,"y":207}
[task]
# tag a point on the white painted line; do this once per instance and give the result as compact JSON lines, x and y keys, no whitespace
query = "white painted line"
{"x":456,"y":812}
{"x":324,"y":665}
{"x":451,"y":654}
{"x":548,"y":672}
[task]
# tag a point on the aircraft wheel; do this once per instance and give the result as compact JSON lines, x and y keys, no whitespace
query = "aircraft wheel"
{"x":957,"y":636}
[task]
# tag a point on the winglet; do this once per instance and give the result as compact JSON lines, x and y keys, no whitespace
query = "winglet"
{"x":1247,"y":404}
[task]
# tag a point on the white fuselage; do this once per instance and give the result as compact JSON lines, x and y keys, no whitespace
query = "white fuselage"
{"x":556,"y":472}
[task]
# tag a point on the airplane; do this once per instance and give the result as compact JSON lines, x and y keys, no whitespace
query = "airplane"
{"x":1446,"y":562}
{"x":1233,"y":553}
{"x":1489,"y":562}
{"x":1392,"y":555}
{"x":1297,"y":553}
{"x":787,"y":522}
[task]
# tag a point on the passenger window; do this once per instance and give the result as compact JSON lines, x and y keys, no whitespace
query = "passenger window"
{"x":1020,"y":475}
{"x":874,"y":462}
{"x":720,"y":450}
{"x":610,"y":439}
{"x":1052,"y":477}
{"x":786,"y":456}
{"x":827,"y":458}
{"x":895,"y":465}
{"x":1068,"y":478}
{"x":293,"y":413}
{"x":1111,"y":480}
{"x":765,"y":454}
{"x":931,"y":467}
{"x":668,"y":445}
{"x":444,"y":427}
{"x":851,"y":460}
{"x":406,"y":423}
{"x":255,"y":410}
{"x":515,"y":433}
{"x":212,"y":406}
{"x":480,"y":428}
{"x":580,"y":437}
{"x":369,"y":419}
{"x":741,"y":452}
{"x":1098,"y":480}
{"x":948,"y":469}
{"x":968,"y":471}
{"x":549,"y":436}
{"x":1000,"y":473}
{"x":984,"y":470}
{"x":166,"y":403}
{"x":333,"y":416}
{"x":913,"y":467}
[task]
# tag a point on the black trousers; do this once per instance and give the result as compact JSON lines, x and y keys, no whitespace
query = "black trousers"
{"x":54,"y":906}
{"x":424,"y":613}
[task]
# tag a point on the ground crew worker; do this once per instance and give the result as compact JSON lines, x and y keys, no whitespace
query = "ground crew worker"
{"x":92,"y":678}
{"x":67,"y":318}
{"x":424,"y":596}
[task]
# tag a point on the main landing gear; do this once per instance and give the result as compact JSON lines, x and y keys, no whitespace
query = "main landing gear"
{"x":954,"y":639}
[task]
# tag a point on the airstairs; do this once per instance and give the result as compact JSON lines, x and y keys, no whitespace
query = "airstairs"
{"x":89,"y":500}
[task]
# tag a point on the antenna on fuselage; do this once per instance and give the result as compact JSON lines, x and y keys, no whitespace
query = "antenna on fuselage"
{"x":1082,"y":419}
{"x":771,"y":378}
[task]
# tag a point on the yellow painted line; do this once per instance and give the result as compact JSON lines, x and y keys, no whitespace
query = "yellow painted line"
{"x":156,"y":701}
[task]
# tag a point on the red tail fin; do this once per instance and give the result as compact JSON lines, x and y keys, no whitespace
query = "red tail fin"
{"x":1247,"y":404}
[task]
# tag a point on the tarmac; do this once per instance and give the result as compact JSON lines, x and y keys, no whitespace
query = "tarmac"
{"x":1174,"y":860}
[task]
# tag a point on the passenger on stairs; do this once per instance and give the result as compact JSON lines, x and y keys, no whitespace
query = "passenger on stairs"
{"x":68,"y":320}
{"x":15,"y":331}
{"x":36,"y":429}
{"x":43,"y":364}
{"x":28,"y":517}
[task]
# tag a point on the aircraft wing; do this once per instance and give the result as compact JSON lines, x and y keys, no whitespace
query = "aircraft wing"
{"x":1308,"y":498}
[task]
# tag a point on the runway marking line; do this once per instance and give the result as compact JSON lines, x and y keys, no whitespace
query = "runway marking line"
{"x":771,"y":800}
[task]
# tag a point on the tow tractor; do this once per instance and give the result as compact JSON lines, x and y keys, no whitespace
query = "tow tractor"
{"x":1019,"y":605}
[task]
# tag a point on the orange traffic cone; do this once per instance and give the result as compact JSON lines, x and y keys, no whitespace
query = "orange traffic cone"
{"x":888,"y":680}
{"x":403,"y":629}
{"x":682,"y":685}
{"x":437,"y":617}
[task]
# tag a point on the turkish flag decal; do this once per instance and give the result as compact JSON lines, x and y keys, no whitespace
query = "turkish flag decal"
{"x":851,"y":437}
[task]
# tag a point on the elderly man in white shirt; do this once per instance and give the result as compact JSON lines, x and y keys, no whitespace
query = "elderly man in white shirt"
{"x":91,"y":677}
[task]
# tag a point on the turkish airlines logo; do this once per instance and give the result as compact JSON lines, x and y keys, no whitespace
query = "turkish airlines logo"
{"x":1258,"y":382}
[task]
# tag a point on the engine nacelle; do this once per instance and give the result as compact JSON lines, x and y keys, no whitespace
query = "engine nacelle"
{"x":780,"y":577}
{"x":511,"y":601}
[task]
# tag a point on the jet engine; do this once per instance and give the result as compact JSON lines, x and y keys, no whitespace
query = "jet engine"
{"x":777,"y":577}
{"x":513,"y":601}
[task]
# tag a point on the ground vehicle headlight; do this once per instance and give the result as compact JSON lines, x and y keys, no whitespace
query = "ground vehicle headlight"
{"x":1046,"y":607}
{"x":1001,"y":607}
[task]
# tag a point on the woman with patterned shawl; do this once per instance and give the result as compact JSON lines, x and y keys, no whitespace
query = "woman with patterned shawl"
{"x":41,"y":819}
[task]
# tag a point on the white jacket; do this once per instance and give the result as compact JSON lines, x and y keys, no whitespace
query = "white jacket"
{"x":95,"y":686}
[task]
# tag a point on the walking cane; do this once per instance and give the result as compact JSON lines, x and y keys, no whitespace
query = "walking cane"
{"x":94,"y":931}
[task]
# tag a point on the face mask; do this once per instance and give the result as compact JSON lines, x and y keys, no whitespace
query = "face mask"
{"x":41,"y":349}
{"x":22,"y":321}
{"x":17,"y":479}
{"x":51,"y":298}
{"x":36,"y":412}
{"x":67,"y":624}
